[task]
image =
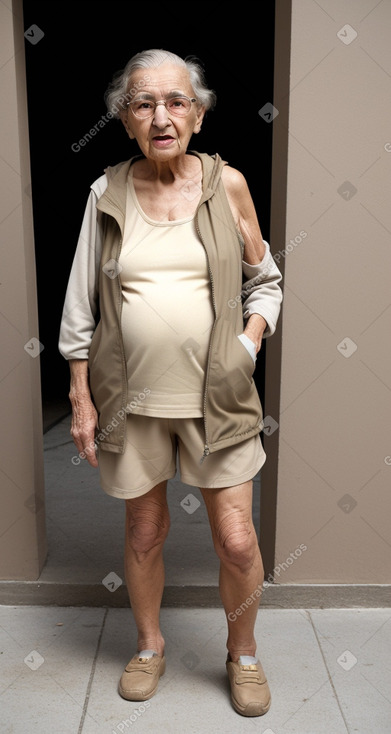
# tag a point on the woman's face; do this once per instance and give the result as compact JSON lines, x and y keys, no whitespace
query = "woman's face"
{"x":164,"y":135}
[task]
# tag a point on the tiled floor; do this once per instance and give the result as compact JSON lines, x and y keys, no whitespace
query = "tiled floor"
{"x":329,"y":672}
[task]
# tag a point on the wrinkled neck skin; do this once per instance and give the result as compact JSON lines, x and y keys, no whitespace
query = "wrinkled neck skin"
{"x":182,"y":166}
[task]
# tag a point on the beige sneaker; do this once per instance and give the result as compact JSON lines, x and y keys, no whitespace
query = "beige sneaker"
{"x":250,"y":692}
{"x":140,"y":679}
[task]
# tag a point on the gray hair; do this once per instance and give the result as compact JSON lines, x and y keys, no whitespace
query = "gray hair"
{"x":118,"y":91}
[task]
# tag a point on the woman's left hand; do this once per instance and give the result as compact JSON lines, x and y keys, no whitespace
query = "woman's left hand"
{"x":255,"y":327}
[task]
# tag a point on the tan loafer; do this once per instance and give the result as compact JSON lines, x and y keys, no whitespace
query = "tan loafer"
{"x":250,"y":694}
{"x":140,"y":679}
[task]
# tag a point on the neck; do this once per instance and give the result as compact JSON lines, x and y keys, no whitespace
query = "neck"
{"x":175,"y":168}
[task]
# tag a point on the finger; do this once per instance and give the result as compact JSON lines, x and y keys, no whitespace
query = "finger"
{"x":92,"y":459}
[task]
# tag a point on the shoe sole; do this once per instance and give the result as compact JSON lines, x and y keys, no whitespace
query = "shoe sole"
{"x":252,"y":709}
{"x":137,"y":697}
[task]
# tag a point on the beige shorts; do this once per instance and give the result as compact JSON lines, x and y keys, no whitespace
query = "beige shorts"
{"x":152,"y":448}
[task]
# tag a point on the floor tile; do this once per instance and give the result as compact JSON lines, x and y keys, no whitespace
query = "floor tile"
{"x":328,"y":672}
{"x":356,"y":645}
{"x":46,"y":660}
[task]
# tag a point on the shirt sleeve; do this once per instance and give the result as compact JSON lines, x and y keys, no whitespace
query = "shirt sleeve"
{"x":261,"y":292}
{"x":81,"y":303}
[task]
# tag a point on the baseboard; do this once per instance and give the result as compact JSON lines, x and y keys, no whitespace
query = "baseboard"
{"x":279,"y":596}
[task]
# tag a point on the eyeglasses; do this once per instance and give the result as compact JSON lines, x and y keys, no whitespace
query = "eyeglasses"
{"x":179,"y":106}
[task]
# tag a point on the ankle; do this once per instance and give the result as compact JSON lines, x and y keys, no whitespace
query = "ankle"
{"x":155,"y":643}
{"x":235,"y":652}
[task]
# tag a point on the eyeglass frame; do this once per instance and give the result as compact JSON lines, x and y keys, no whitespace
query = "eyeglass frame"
{"x":160,"y":101}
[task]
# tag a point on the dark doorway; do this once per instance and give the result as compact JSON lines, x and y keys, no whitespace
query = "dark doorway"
{"x":79,"y":47}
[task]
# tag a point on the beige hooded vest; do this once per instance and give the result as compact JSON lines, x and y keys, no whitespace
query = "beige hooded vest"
{"x":231,"y":405}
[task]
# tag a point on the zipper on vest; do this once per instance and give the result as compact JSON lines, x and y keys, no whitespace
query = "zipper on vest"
{"x":205,"y":454}
{"x":124,"y":379}
{"x":206,"y":447}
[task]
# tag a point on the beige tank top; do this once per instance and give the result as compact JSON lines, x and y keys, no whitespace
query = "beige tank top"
{"x":167,"y":313}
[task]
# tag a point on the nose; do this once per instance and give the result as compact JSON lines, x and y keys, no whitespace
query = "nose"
{"x":161,"y":118}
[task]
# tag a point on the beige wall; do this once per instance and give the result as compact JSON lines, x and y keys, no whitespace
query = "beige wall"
{"x":22,"y":523}
{"x":334,"y":437}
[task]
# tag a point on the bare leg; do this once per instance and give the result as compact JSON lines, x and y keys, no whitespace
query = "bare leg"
{"x":147,"y":525}
{"x":241,"y":567}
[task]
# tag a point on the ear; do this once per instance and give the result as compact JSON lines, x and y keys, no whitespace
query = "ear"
{"x":200,"y":116}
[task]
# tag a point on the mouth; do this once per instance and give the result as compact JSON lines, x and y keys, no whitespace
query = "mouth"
{"x":162,"y":141}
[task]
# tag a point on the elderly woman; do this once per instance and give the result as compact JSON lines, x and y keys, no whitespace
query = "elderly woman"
{"x":171,"y":291}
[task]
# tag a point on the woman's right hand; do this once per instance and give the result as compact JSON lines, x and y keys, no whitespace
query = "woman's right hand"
{"x":84,"y":414}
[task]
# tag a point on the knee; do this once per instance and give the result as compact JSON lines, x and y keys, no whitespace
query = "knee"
{"x":146,"y":531}
{"x":237,"y":543}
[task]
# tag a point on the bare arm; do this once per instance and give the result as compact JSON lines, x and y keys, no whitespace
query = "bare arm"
{"x":84,"y":414}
